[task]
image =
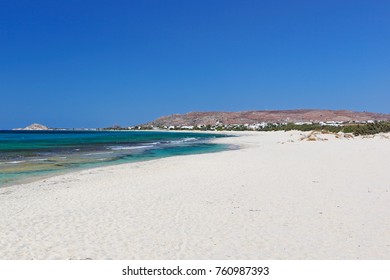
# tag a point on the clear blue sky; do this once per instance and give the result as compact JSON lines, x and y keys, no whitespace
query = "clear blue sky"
{"x":97,"y":63}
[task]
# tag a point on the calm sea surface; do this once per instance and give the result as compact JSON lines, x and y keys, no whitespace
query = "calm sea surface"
{"x":26,"y":155}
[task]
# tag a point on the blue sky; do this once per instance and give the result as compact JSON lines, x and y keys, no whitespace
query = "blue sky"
{"x":98,"y":63}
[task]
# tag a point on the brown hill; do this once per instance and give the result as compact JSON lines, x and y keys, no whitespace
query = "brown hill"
{"x":250,"y":117}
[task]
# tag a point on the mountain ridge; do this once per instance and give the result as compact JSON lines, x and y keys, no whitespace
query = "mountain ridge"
{"x":258,"y":116}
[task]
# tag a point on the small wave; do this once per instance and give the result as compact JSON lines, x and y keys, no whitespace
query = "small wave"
{"x":189,"y":139}
{"x":15,"y":161}
{"x":100,"y":153}
{"x":39,"y":159}
{"x":117,"y":148}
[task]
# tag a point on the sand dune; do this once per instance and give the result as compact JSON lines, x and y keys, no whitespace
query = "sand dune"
{"x":278,"y":197}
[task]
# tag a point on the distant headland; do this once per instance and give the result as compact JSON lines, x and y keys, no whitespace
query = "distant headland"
{"x":34,"y":126}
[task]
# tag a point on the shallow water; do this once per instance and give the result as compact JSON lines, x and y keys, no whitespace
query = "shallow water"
{"x":25,"y":155}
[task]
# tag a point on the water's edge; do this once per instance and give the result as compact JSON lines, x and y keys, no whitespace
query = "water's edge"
{"x":208,"y":146}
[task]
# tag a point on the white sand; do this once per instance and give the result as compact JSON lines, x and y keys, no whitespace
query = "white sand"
{"x":276,"y":198}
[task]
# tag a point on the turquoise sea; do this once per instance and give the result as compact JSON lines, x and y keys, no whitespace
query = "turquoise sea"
{"x":27,"y":155}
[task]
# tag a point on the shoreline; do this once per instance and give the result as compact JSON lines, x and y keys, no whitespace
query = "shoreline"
{"x":45,"y":174}
{"x":277,"y":197}
{"x":56,"y":173}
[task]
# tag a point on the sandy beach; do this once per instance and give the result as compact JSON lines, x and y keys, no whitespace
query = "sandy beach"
{"x":279,"y":196}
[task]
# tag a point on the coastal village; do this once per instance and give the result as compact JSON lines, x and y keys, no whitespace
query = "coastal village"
{"x":251,"y":127}
{"x":304,"y":119}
